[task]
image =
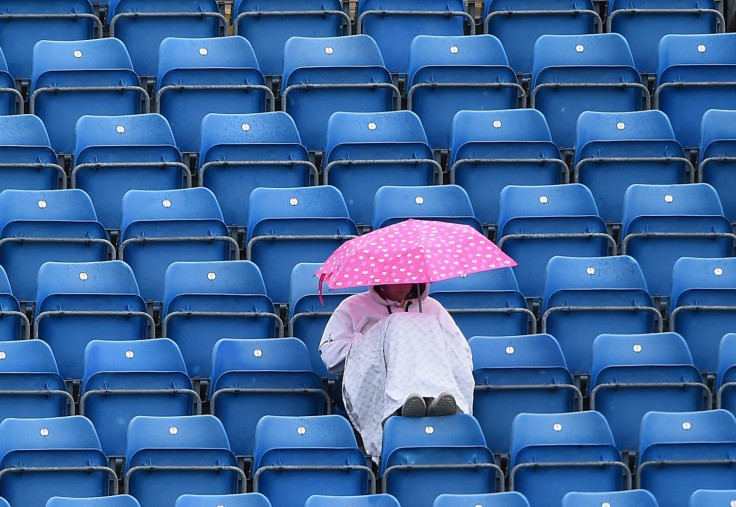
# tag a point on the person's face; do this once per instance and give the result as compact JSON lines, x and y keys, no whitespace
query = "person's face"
{"x":396,"y":292}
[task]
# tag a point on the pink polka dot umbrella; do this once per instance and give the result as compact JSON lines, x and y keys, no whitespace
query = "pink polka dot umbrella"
{"x":412,"y":251}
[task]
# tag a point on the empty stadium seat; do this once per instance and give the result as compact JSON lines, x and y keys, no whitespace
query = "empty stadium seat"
{"x":716,"y":156}
{"x":297,"y":457}
{"x":14,"y":324}
{"x":633,"y":374}
{"x":28,"y":161}
{"x":38,"y":226}
{"x":240,"y":152}
{"x":502,"y":499}
{"x":423,"y":457}
{"x":519,"y":23}
{"x":726,"y":374}
{"x":453,"y":73}
{"x":257,"y":377}
{"x":492,"y":149}
{"x":365,"y":151}
{"x":208,"y":300}
{"x":169,"y":456}
{"x":114,"y":154}
{"x":707,"y":497}
{"x":234,"y":500}
{"x":375,"y":500}
{"x":662,"y":223}
{"x":615,"y":150}
{"x":322,"y":75}
{"x":630,"y":498}
{"x":287,"y":226}
{"x":553,"y":454}
{"x":78,"y":302}
{"x":587,"y":296}
{"x":208,"y":75}
{"x":576,"y":73}
{"x":514,"y":374}
{"x":537,"y":222}
{"x":75,"y":78}
{"x":98,"y":501}
{"x":159,"y":227}
{"x":143,"y":24}
{"x":55,"y":456}
{"x":680,"y":452}
{"x":123,"y":379}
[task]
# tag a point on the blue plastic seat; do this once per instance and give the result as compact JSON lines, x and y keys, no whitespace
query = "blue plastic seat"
{"x":143,"y":24}
{"x":268,"y":25}
{"x":365,"y":151}
{"x":55,"y":456}
{"x":322,"y":75}
{"x":519,"y":23}
{"x":447,"y":203}
{"x":501,"y":499}
{"x":703,"y":305}
{"x":448,"y":74}
{"x":30,"y":384}
{"x":537,"y":222}
{"x":633,"y":374}
{"x":28,"y":161}
{"x":661,"y":223}
{"x":694,"y":73}
{"x":644,"y":22}
{"x":587,"y":296}
{"x":86,"y":77}
{"x":576,"y":73}
{"x":208,"y":300}
{"x":630,"y":498}
{"x":123,"y":379}
{"x":114,"y":154}
{"x":26,"y":23}
{"x":14,"y":324}
{"x":207,"y":75}
{"x":493,"y":149}
{"x":234,"y":500}
{"x":38,"y":226}
{"x":297,"y":457}
{"x":553,"y":454}
{"x":375,"y":500}
{"x":680,"y":452}
{"x":287,"y":226}
{"x":486,"y":303}
{"x":716,"y":156}
{"x":514,"y":374}
{"x":98,"y":501}
{"x":707,"y":497}
{"x":169,"y":456}
{"x":78,"y":302}
{"x":159,"y":227}
{"x":241,"y":152}
{"x":726,"y":374}
{"x":395,"y":23}
{"x":424,"y":457}
{"x":257,"y":377}
{"x":616,"y":150}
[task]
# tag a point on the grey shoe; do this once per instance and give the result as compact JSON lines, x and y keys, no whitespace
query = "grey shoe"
{"x":444,"y":404}
{"x":414,"y":406}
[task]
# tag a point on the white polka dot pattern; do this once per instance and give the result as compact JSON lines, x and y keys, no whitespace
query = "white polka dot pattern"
{"x":412,"y":251}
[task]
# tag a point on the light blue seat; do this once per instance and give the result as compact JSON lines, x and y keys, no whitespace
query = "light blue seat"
{"x":365,"y":151}
{"x":123,"y":379}
{"x":681,"y":452}
{"x":197,"y":76}
{"x":502,"y":499}
{"x":716,"y":156}
{"x":241,"y":152}
{"x":114,"y":154}
{"x":633,"y":374}
{"x":424,"y":457}
{"x":297,"y":457}
{"x":86,"y":77}
{"x":143,"y":24}
{"x":515,"y":374}
{"x":615,"y":150}
{"x":448,"y":74}
{"x":630,"y":498}
{"x":726,"y":374}
{"x":707,"y":497}
{"x":661,"y":223}
{"x":493,"y":149}
{"x":208,"y":300}
{"x":55,"y":456}
{"x":234,"y":500}
{"x":519,"y":23}
{"x":576,"y":73}
{"x":323,"y":75}
{"x":98,"y":501}
{"x":78,"y":302}
{"x":375,"y":500}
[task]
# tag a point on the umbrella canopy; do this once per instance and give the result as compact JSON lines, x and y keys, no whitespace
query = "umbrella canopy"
{"x":412,"y":251}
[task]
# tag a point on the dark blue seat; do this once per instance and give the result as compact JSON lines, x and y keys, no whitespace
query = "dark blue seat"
{"x":14,"y":324}
{"x":716,"y":156}
{"x":726,"y":374}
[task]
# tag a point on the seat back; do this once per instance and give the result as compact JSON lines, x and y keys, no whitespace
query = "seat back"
{"x":726,"y":373}
{"x":374,"y":500}
{"x":715,"y":155}
{"x":506,"y":498}
{"x":120,"y":500}
{"x":234,"y":500}
{"x":15,"y":324}
{"x":28,"y":161}
{"x":630,"y":498}
{"x":704,"y":497}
